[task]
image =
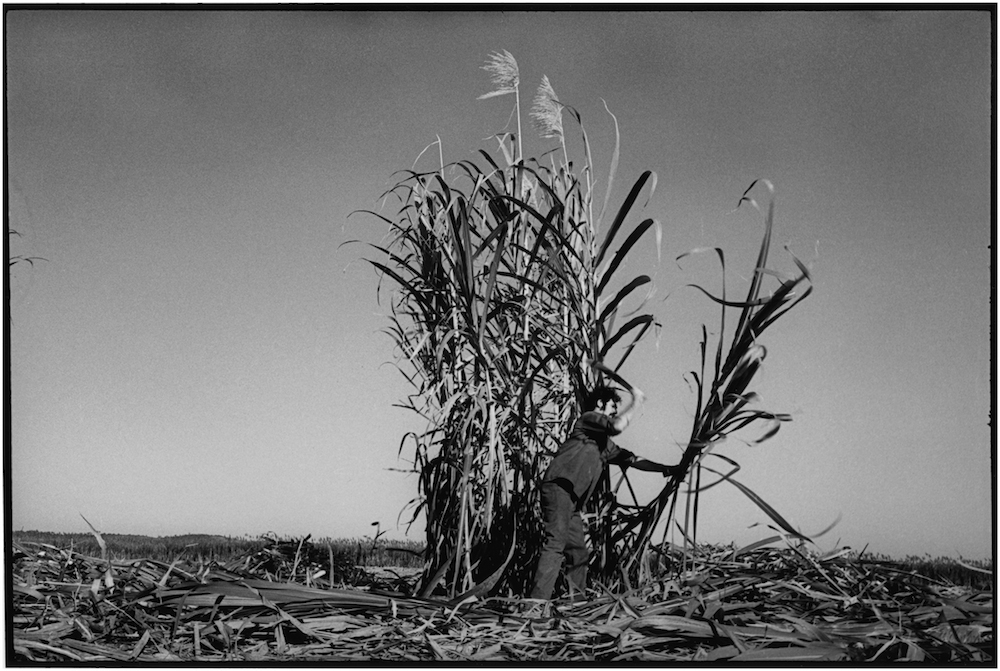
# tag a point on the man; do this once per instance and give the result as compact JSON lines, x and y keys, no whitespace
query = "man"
{"x":572,"y":477}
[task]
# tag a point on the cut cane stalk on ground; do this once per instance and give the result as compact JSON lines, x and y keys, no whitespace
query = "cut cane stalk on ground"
{"x":741,"y":604}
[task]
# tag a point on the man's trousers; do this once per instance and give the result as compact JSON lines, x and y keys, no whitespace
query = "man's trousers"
{"x":564,"y":536}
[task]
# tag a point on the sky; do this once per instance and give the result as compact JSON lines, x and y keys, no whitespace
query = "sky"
{"x":200,"y":352}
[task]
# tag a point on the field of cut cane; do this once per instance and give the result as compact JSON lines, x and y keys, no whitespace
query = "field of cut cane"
{"x":507,"y":308}
{"x":295,"y":600}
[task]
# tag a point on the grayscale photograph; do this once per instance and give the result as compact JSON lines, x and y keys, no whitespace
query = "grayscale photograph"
{"x":435,"y":334}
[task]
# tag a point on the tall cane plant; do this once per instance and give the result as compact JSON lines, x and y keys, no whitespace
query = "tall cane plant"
{"x":725,"y":406}
{"x":507,"y":308}
{"x":505,"y":294}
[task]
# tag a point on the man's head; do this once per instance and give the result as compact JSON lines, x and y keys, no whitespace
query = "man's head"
{"x":603,"y":399}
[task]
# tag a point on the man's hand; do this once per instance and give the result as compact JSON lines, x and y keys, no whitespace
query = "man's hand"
{"x":671,"y":471}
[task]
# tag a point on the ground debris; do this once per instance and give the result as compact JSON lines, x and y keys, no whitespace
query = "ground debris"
{"x":773,"y":605}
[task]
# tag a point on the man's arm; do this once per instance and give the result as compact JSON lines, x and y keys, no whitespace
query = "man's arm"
{"x":652,"y":466}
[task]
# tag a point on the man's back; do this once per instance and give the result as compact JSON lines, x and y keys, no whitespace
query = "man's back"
{"x":581,"y":458}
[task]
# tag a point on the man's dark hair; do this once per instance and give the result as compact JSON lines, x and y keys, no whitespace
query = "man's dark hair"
{"x":600,"y":393}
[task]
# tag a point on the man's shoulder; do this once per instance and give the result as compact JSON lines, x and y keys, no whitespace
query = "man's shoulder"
{"x":593,"y":419}
{"x":596,"y":423}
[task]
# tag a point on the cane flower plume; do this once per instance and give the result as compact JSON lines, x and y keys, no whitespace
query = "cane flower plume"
{"x":503,"y":73}
{"x":546,"y":113}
